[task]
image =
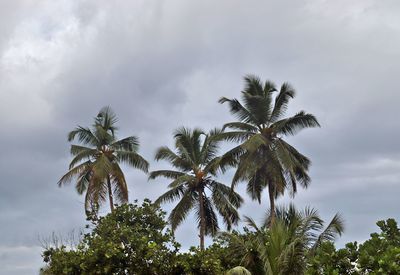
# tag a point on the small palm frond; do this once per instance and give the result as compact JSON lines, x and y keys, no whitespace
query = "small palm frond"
{"x":130,"y":144}
{"x":256,"y":185}
{"x":119,"y":183}
{"x":235,"y":136}
{"x":164,"y":153}
{"x":255,"y":142}
{"x":169,"y":174}
{"x":281,"y":101}
{"x":259,"y":106}
{"x":290,"y":126}
{"x":212,"y":166}
{"x":231,"y":158}
{"x":251,"y":223}
{"x":96,"y":193}
{"x":77,"y":149}
{"x":334,"y":228}
{"x":75,"y":172}
{"x":171,"y":195}
{"x":211,"y":221}
{"x":179,"y":213}
{"x":133,"y":159}
{"x":188,"y":143}
{"x":102,"y":167}
{"x":226,"y":201}
{"x":83,"y":153}
{"x":253,"y":85}
{"x":237,"y":109}
{"x":84,"y":135}
{"x":240,"y":126}
{"x":103,"y":136}
{"x":184,"y":179}
{"x":83,"y":181}
{"x":209,"y":149}
{"x":107,"y":119}
{"x":233,"y":197}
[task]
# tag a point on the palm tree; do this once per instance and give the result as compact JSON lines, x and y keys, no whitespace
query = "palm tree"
{"x":96,"y":163}
{"x":263,"y":158}
{"x":194,"y":184}
{"x":285,"y":246}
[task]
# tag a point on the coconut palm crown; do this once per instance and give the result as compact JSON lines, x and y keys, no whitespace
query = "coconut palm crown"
{"x":193,"y":183}
{"x":264,"y":159}
{"x":96,"y":162}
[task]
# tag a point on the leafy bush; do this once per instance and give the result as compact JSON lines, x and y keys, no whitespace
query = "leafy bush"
{"x":131,"y":240}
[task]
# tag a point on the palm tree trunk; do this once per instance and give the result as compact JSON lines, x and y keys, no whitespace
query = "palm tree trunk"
{"x":271,"y":192}
{"x":202,"y":220}
{"x":110,"y":194}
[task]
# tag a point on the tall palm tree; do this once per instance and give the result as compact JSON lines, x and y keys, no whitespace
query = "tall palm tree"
{"x":284,"y":246}
{"x":264,"y":159}
{"x":96,"y":163}
{"x":194,"y":184}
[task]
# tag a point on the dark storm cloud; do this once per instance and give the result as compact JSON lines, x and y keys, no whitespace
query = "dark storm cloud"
{"x":163,"y":65}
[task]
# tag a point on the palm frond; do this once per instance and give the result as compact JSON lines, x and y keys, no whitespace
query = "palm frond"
{"x":251,"y":223}
{"x":133,"y":159}
{"x":231,"y":158}
{"x":335,"y":228}
{"x":106,"y":118}
{"x":253,"y":85}
{"x":255,"y":142}
{"x":281,"y":101}
{"x":188,"y":143}
{"x":85,"y":135}
{"x":212,"y":166}
{"x":247,"y":127}
{"x":171,"y":195}
{"x":235,"y":136}
{"x":179,"y":213}
{"x":164,"y":153}
{"x":83,"y":181}
{"x":74,"y":172}
{"x":211,"y":221}
{"x":119,"y":183}
{"x":210,"y":146}
{"x":226,"y":201}
{"x":184,"y":179}
{"x":259,"y":106}
{"x":238,"y":110}
{"x":102,"y":167}
{"x":290,"y":126}
{"x":126,"y":144}
{"x":169,"y":174}
{"x":82,"y":153}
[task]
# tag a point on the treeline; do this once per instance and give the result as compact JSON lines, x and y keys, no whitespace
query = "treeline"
{"x":136,"y":239}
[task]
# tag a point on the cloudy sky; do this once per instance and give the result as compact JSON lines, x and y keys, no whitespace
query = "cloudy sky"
{"x":163,"y":64}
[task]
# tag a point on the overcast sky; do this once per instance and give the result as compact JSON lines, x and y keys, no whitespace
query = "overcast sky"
{"x":164,"y":64}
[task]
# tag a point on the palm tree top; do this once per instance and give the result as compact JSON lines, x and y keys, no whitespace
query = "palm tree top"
{"x":96,"y":160}
{"x":261,"y":112}
{"x":193,"y":181}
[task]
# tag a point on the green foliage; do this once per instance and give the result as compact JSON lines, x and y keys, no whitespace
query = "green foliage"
{"x":131,"y":240}
{"x":378,"y":255}
{"x":327,"y":260}
{"x":201,"y":262}
{"x":381,"y":253}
